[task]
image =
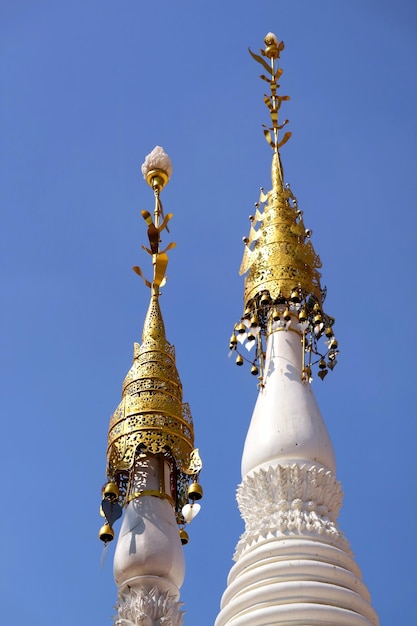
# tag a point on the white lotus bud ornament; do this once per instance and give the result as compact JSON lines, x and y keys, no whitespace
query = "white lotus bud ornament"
{"x":157,"y":168}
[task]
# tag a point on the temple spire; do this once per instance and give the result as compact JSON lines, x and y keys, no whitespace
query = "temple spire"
{"x":281,"y":268}
{"x":152,"y":466}
{"x":293,"y":564}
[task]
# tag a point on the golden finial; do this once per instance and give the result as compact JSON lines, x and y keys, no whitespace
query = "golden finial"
{"x":281,"y":266}
{"x":151,"y":418}
{"x":157,"y":170}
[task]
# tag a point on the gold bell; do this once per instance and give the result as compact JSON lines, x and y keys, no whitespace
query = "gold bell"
{"x":322,"y":364}
{"x":329,"y":332}
{"x":333,"y":344}
{"x":111,"y":491}
{"x":295,"y":296}
{"x":254,"y":370}
{"x":239,"y":360}
{"x":318,"y":319}
{"x":287,"y":315}
{"x":240,"y":328}
{"x":275,"y":315}
{"x":265,"y":299}
{"x":233,"y":341}
{"x":302,"y":317}
{"x":316,"y":308}
{"x":195,"y":491}
{"x":247,"y":312}
{"x":106,"y":533}
{"x":184,"y":537}
{"x":254,"y":321}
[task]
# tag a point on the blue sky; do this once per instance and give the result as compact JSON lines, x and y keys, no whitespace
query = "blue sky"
{"x":88,"y":89}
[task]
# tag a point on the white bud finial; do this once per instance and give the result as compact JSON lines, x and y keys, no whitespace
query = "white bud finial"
{"x":271,"y":39}
{"x":157,"y":160}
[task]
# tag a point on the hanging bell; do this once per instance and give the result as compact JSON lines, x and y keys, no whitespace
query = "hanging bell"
{"x":240,"y":328}
{"x":251,"y":336}
{"x":316,"y":308}
{"x":265,"y":299}
{"x":195,"y":491}
{"x":247,"y":312}
{"x":302,"y":316}
{"x":322,"y":364}
{"x":233,"y":341}
{"x":106,"y":533}
{"x":276,"y":315}
{"x":332,"y":355}
{"x":318,"y":319}
{"x":295,"y":296}
{"x":111,"y":491}
{"x":329,"y":332}
{"x":239,"y":360}
{"x":254,"y":370}
{"x":184,"y":537}
{"x":333,"y":344}
{"x":254,"y":321}
{"x":287,"y":315}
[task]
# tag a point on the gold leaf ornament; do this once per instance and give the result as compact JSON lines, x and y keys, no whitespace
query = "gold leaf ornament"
{"x":260,"y":60}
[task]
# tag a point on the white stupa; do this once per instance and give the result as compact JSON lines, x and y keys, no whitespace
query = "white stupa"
{"x":152,"y":466}
{"x":293,"y":565}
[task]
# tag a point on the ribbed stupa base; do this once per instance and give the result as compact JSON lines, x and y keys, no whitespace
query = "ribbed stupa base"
{"x":294,"y":567}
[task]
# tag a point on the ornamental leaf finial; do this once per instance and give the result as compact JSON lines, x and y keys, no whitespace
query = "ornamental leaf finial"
{"x":273,"y":101}
{"x":156,"y":170}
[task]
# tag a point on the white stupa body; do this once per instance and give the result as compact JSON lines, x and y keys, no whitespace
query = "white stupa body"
{"x":149,"y":561}
{"x":293,"y":565}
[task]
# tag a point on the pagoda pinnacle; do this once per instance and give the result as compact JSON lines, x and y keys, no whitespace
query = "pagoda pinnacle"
{"x":282,"y":282}
{"x":293,"y":564}
{"x":152,"y":466}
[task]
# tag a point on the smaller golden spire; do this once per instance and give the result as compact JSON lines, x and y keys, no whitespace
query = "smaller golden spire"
{"x":279,"y":261}
{"x":151,"y":418}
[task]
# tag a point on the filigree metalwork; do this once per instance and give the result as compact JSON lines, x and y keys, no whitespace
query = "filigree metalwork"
{"x":279,"y":262}
{"x":279,"y":255}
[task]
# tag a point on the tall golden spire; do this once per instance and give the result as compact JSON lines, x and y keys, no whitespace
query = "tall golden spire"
{"x":282,"y":280}
{"x":151,"y":418}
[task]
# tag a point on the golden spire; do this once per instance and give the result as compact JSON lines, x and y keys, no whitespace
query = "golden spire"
{"x":151,"y":417}
{"x":282,"y":279}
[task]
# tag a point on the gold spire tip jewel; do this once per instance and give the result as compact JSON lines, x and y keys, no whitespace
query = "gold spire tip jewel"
{"x":282,"y":283}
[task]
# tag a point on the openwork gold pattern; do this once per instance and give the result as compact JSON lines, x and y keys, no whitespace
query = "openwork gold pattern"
{"x":151,"y":413}
{"x":279,"y":255}
{"x":281,"y":267}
